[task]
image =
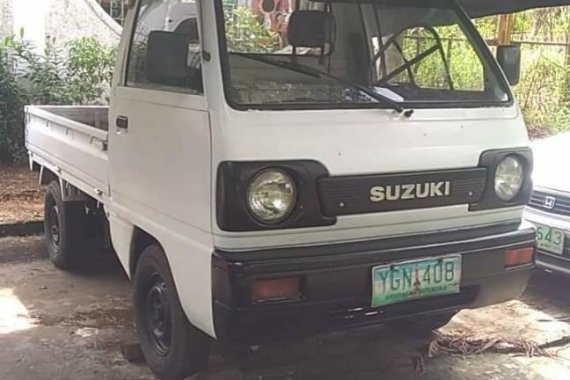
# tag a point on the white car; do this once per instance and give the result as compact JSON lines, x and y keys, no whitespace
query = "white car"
{"x":549,"y":207}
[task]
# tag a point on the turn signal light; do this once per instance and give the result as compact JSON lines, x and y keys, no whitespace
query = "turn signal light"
{"x":519,"y":256}
{"x":276,"y":289}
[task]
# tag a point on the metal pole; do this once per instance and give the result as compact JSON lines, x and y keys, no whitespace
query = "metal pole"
{"x":506,"y":26}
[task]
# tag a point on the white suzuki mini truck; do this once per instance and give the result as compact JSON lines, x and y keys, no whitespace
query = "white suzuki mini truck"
{"x":345,"y":164}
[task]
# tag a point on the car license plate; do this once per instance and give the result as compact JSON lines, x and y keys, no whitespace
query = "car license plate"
{"x":410,"y":280}
{"x":550,"y":239}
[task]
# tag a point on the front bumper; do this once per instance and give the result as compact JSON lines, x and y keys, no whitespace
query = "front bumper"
{"x":547,"y":260}
{"x":336,"y":282}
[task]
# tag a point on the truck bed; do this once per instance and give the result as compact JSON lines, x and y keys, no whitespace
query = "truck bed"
{"x":72,"y":142}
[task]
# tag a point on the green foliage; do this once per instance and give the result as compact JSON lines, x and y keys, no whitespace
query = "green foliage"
{"x":41,"y":78}
{"x":543,"y":91}
{"x":430,"y":72}
{"x":90,"y":69}
{"x":80,"y":73}
{"x":487,"y":27}
{"x":246,"y":32}
{"x":11,"y":110}
{"x":548,"y":24}
{"x":465,"y":68}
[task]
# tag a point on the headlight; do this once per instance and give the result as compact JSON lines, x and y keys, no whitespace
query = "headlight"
{"x":271,"y":196}
{"x":509,"y":177}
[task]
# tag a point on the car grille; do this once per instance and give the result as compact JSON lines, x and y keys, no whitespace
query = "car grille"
{"x":561,"y":205}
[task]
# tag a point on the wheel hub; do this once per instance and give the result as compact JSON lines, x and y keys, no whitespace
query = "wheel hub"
{"x":158,"y":316}
{"x":53,"y":227}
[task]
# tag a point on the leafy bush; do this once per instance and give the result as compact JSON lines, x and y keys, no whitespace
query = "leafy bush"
{"x":41,"y":78}
{"x":11,"y":111}
{"x":80,"y":73}
{"x":543,"y":91}
{"x":90,"y":69}
{"x":431,"y":72}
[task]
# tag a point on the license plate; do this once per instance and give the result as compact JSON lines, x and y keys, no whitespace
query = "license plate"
{"x":550,"y":239}
{"x":410,"y":280}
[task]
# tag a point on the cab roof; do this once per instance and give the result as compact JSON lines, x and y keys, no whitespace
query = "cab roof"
{"x":475,"y":8}
{"x":479,"y":8}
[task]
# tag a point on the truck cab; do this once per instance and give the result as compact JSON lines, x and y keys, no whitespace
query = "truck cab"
{"x":338,"y":164}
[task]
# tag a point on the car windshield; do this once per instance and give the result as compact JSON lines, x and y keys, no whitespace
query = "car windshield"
{"x":355,"y":53}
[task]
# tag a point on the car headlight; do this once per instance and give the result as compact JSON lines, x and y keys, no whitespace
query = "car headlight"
{"x":509,"y":177}
{"x":271,"y":196}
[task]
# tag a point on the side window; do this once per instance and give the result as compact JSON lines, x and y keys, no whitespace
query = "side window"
{"x":165,"y":51}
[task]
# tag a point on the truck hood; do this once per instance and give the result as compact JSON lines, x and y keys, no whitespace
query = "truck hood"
{"x":551,"y":158}
{"x":359,"y":142}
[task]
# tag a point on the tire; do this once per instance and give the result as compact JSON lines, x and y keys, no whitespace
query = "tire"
{"x":65,"y":226}
{"x":172,"y":347}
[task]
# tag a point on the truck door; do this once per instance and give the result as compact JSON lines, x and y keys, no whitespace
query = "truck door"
{"x":159,"y":124}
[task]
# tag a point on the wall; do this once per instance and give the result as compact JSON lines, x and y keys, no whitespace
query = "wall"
{"x":6,"y":21}
{"x":71,"y":19}
{"x":63,"y":20}
{"x":29,"y":16}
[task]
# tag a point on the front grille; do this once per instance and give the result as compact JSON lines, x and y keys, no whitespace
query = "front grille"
{"x":550,"y":202}
{"x":348,"y":195}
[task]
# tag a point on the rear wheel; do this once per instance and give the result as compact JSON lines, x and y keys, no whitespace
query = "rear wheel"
{"x":172,"y":347}
{"x":65,"y":225}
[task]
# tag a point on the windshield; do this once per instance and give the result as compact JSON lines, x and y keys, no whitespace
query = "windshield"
{"x":355,"y":53}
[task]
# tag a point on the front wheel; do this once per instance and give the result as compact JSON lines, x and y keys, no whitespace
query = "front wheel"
{"x":172,"y":347}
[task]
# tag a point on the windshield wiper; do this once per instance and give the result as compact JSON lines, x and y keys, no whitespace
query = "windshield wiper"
{"x":308,"y":70}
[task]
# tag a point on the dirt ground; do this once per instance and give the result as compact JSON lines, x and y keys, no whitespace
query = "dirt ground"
{"x":20,"y":196}
{"x":56,"y":325}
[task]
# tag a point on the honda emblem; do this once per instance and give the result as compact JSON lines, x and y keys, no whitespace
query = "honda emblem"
{"x":549,"y":202}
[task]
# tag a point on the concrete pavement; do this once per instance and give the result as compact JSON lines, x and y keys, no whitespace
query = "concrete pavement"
{"x":56,"y":325}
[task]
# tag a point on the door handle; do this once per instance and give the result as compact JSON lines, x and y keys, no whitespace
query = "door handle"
{"x":122,"y":123}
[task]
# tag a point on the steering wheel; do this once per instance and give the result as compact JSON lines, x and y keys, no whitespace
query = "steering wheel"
{"x":408,"y":64}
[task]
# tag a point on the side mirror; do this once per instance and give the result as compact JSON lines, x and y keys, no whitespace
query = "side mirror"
{"x":167,"y":58}
{"x":509,"y":58}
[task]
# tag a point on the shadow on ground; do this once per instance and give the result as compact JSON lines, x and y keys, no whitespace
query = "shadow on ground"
{"x":70,"y":326}
{"x":549,"y":292}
